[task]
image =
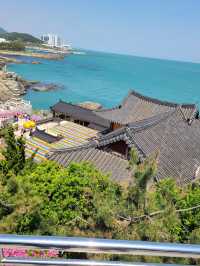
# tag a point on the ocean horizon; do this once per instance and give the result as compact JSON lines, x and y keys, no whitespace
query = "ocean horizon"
{"x":107,"y":78}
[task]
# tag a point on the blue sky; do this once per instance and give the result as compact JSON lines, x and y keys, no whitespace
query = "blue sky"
{"x":154,"y":28}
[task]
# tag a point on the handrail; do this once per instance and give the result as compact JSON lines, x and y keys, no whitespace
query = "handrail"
{"x":93,"y":245}
{"x":74,"y":262}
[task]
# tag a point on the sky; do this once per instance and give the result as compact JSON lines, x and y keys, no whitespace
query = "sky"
{"x":153,"y":28}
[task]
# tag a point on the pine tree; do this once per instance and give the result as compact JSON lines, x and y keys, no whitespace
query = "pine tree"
{"x":15,"y":151}
{"x":142,"y":172}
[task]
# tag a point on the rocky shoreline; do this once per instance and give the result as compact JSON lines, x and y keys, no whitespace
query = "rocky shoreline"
{"x":14,"y":86}
{"x":6,"y":60}
{"x":49,"y":56}
{"x":43,"y":87}
{"x":11,"y":60}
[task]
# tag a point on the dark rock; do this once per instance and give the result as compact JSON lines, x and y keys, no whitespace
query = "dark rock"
{"x":45,"y":87}
{"x":36,"y":63}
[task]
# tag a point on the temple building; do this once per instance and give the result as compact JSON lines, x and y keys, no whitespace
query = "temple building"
{"x":79,"y":115}
{"x":137,"y":107}
{"x":170,"y":131}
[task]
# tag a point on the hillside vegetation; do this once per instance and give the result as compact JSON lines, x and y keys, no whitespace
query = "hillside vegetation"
{"x":12,"y":46}
{"x":79,"y":200}
{"x":24,"y":37}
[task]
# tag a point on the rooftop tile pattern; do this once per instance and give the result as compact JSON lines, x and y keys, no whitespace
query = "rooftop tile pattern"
{"x":136,"y":107}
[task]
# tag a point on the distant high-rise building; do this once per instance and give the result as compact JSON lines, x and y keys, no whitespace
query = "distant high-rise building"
{"x":52,"y":40}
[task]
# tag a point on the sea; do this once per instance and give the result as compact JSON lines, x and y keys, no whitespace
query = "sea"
{"x":107,"y":78}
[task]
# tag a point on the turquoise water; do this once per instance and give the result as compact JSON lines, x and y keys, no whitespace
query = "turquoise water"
{"x":107,"y":78}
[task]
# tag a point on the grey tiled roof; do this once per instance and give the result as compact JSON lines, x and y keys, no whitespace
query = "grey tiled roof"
{"x":128,"y":133}
{"x":180,"y":150}
{"x":176,"y":142}
{"x":108,"y":163}
{"x":41,"y":134}
{"x":137,"y":107}
{"x":81,"y":113}
{"x":151,"y":126}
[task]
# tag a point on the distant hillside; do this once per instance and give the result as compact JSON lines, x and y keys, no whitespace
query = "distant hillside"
{"x":24,"y":37}
{"x":2,"y":30}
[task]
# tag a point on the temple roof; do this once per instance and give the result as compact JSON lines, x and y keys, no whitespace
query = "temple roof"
{"x":41,"y":134}
{"x":169,"y":130}
{"x":108,"y":163}
{"x":81,"y":113}
{"x":136,"y":107}
{"x":176,"y":143}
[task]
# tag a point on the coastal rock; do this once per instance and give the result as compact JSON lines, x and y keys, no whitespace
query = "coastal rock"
{"x":14,"y":86}
{"x":48,"y":56}
{"x":45,"y":87}
{"x":36,"y":63}
{"x":28,"y":83}
{"x":4,"y":60}
{"x":91,"y":105}
{"x":5,"y":93}
{"x":10,"y":87}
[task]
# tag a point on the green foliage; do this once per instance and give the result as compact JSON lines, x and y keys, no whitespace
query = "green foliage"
{"x":134,"y":160}
{"x":79,"y":200}
{"x":59,"y":197}
{"x":191,"y":218}
{"x":143,"y":173}
{"x":161,"y":211}
{"x":24,"y":37}
{"x":167,"y":193}
{"x":16,"y":45}
{"x":14,"y":153}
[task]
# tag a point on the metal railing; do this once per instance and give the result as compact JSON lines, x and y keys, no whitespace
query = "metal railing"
{"x":91,"y":245}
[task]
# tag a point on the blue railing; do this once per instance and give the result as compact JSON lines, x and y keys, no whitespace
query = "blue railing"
{"x":91,"y":245}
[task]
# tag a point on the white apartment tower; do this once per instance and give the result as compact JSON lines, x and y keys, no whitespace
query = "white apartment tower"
{"x":52,"y":40}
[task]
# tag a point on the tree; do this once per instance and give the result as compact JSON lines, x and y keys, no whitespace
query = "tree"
{"x":24,"y":37}
{"x":79,"y":200}
{"x":60,"y":199}
{"x":143,"y":173}
{"x":14,"y":152}
{"x":16,"y":45}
